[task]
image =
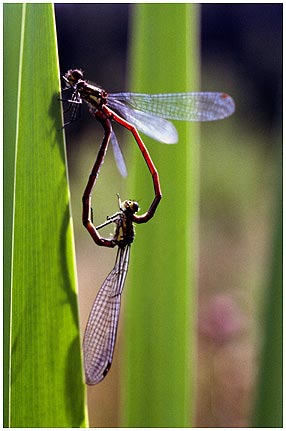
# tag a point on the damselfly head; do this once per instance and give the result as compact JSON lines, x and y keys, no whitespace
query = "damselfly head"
{"x":73,"y":76}
{"x":131,"y":206}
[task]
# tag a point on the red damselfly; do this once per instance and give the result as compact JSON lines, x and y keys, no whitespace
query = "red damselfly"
{"x":146,"y":112}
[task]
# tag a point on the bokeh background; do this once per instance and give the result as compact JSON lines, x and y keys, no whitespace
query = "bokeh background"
{"x":241,"y":54}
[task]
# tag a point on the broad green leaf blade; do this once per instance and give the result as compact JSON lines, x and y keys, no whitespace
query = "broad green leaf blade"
{"x":12,"y":19}
{"x":46,"y":386}
{"x":159,"y":359}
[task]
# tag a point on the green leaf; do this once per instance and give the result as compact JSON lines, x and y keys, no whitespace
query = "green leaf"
{"x":268,"y":410}
{"x":159,"y":358}
{"x":46,"y":384}
{"x":12,"y":17}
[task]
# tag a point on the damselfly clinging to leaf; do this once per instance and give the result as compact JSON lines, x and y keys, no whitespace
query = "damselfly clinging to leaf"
{"x":146,"y":112}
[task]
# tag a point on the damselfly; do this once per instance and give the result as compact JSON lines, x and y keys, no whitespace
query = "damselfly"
{"x":100,"y":333}
{"x":146,"y":112}
{"x":96,"y":100}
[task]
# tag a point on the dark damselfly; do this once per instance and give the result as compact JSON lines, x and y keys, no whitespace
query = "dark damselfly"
{"x":101,"y":329}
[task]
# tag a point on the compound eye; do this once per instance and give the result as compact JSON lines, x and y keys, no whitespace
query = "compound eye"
{"x":131,"y":205}
{"x":74,"y":75}
{"x":134,"y":206}
{"x":77,"y":74}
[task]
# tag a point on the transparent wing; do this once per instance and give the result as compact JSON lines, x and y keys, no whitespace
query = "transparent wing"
{"x":100,"y":333}
{"x":120,"y":162}
{"x":74,"y":107}
{"x":178,"y":106}
{"x":150,"y":124}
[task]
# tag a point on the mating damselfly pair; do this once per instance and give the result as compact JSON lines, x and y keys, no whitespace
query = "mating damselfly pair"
{"x":148,"y":113}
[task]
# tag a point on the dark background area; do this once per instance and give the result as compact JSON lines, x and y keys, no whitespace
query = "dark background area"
{"x":249,"y":36}
{"x":241,"y":54}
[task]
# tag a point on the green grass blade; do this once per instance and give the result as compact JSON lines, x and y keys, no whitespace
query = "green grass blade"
{"x":159,"y":359}
{"x":12,"y":18}
{"x":46,"y":385}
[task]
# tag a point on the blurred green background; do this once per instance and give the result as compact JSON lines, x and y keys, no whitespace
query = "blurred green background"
{"x":240,"y":170}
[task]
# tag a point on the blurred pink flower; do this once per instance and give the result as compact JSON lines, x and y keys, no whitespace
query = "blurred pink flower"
{"x":221,"y":319}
